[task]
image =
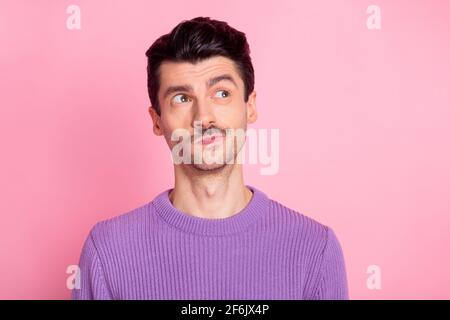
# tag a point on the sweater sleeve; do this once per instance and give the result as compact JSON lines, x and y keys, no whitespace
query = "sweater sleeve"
{"x":93,"y":285}
{"x":332,"y":280}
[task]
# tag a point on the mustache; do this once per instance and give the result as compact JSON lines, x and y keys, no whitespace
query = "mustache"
{"x":210,"y":131}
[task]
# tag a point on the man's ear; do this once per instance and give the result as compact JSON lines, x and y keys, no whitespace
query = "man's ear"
{"x":252,"y":115}
{"x":156,"y":121}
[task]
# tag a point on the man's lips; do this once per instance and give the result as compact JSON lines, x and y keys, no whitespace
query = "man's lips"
{"x":209,"y":139}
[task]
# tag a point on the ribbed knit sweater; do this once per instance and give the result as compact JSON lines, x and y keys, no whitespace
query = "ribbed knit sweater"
{"x":266,"y":251}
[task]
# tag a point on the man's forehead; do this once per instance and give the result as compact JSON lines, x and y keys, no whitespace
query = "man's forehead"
{"x":181,"y":72}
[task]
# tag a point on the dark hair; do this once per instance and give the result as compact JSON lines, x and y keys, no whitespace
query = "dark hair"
{"x":195,"y":40}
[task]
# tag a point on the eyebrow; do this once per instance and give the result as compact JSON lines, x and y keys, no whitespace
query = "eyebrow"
{"x":209,"y":84}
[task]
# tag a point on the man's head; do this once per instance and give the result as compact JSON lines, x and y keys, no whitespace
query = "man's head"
{"x":201,"y":71}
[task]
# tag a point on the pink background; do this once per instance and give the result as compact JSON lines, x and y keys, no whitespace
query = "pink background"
{"x":364,"y":119}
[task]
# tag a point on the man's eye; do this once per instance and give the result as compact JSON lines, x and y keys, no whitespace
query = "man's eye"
{"x":222,"y":94}
{"x":180,"y":98}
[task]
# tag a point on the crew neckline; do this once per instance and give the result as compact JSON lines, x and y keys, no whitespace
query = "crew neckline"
{"x":238,"y":222}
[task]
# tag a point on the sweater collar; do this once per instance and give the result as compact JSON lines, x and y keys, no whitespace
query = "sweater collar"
{"x":204,"y":226}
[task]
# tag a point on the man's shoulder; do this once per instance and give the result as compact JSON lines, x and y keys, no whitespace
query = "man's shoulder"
{"x":123,"y":225}
{"x":298,"y":222}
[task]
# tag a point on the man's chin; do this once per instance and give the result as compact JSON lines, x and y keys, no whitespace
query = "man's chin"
{"x":209,"y":167}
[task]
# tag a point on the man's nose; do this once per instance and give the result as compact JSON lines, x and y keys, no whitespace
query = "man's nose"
{"x":203,"y":114}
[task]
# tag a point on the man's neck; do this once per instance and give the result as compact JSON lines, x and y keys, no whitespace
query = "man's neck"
{"x":213,"y":196}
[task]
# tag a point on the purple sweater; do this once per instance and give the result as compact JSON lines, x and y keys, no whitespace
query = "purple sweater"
{"x":266,"y":251}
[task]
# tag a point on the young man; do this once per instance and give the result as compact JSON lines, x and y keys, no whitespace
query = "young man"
{"x":210,"y":236}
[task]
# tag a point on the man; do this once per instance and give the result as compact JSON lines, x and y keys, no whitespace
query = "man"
{"x":210,"y":236}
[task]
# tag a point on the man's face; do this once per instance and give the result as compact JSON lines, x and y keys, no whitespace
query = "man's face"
{"x":209,"y":96}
